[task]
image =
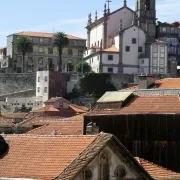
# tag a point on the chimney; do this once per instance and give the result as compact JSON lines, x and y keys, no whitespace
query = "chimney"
{"x":146,"y":81}
{"x":92,"y":129}
{"x":3,"y":146}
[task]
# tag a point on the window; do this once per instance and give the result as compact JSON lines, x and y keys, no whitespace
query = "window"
{"x":50,"y":50}
{"x":45,"y":89}
{"x":41,"y":50}
{"x":140,"y":49}
{"x":70,"y":52}
{"x":40,"y":60}
{"x":38,"y":89}
{"x":162,"y":55}
{"x":161,"y":61}
{"x":97,"y":57}
{"x":155,"y":49}
{"x":86,"y":174}
{"x":155,"y":54}
{"x":92,"y":60}
{"x":162,"y":49}
{"x":103,"y":167}
{"x":127,"y":49}
{"x":110,"y":57}
{"x":163,"y":29}
{"x":154,"y":70}
{"x":120,"y":172}
{"x":133,"y":40}
{"x":110,"y":70}
{"x":45,"y":78}
{"x":172,"y":30}
{"x":38,"y":79}
{"x":142,"y":61}
{"x":161,"y":70}
{"x":154,"y":61}
{"x":41,"y":40}
{"x":80,"y":52}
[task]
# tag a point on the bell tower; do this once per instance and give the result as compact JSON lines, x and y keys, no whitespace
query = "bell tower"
{"x":146,"y":16}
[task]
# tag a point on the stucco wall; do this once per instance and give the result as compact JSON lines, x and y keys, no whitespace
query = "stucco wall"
{"x":114,"y":162}
{"x":96,"y":35}
{"x":131,"y":57}
{"x":94,"y":62}
{"x":114,"y":21}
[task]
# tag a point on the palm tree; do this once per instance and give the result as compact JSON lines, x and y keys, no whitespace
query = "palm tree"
{"x":23,"y":45}
{"x":60,"y":40}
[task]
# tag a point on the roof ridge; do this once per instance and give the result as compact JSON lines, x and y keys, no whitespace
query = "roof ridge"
{"x":44,"y":136}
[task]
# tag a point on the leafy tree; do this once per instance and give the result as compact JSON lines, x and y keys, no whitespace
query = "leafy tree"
{"x":94,"y":84}
{"x":60,"y":40}
{"x":23,"y":45}
{"x":86,"y":67}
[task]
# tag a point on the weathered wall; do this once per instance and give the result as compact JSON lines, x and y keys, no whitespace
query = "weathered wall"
{"x":10,"y":83}
{"x":118,"y":80}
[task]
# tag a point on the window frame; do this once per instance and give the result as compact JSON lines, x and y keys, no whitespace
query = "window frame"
{"x":112,"y":57}
{"x":127,"y":48}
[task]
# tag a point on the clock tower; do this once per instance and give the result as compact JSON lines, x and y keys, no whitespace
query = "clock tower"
{"x":146,"y":16}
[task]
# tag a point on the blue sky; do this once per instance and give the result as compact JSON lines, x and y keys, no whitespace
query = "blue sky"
{"x":69,"y":16}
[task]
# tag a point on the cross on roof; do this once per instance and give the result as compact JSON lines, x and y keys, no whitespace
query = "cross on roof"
{"x":108,"y":1}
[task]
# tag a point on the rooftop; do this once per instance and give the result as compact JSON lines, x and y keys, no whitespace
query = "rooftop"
{"x":150,"y":104}
{"x":61,"y":127}
{"x":157,"y":172}
{"x":45,"y":35}
{"x":111,"y":49}
{"x":41,"y":157}
{"x":168,"y":83}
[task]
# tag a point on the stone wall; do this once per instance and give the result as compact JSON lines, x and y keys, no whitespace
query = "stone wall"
{"x":10,"y":83}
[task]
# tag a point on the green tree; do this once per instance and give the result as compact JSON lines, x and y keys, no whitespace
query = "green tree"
{"x":23,"y":45}
{"x":60,"y":40}
{"x":83,"y":66}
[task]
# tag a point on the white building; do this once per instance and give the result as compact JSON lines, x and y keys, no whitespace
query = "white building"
{"x":119,"y":42}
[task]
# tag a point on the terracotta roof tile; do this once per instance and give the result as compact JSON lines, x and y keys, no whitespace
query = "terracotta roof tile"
{"x":45,"y":35}
{"x":168,"y":83}
{"x":111,"y":49}
{"x":145,"y":104}
{"x":41,"y":157}
{"x":15,"y":115}
{"x":47,"y":109}
{"x":54,"y":99}
{"x":157,"y":172}
{"x":77,"y":109}
{"x":61,"y":127}
{"x":47,"y":120}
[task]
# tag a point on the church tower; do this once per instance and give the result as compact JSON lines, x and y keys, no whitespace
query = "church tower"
{"x":145,"y":13}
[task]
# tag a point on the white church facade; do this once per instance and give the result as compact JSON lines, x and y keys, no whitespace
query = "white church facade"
{"x":123,"y":41}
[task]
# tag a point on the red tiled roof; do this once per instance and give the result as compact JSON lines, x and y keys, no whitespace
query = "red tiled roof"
{"x":157,"y":172}
{"x":111,"y":49}
{"x":47,"y":109}
{"x":168,"y":83}
{"x":54,"y":99}
{"x":61,"y":127}
{"x":6,"y":122}
{"x":47,"y":120}
{"x":41,"y":157}
{"x":77,"y":109}
{"x":45,"y":35}
{"x":145,"y":104}
{"x":15,"y":115}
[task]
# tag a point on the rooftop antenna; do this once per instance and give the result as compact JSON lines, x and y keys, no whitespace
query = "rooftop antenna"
{"x":108,"y":1}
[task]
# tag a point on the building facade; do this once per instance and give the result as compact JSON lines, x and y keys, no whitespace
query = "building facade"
{"x":170,"y":34}
{"x":44,"y":54}
{"x":122,"y":41}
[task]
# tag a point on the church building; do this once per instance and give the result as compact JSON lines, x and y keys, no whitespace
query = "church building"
{"x":123,"y":41}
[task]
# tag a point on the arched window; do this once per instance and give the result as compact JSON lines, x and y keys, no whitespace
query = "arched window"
{"x":86,"y":174}
{"x":147,"y":5}
{"x":103,"y":167}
